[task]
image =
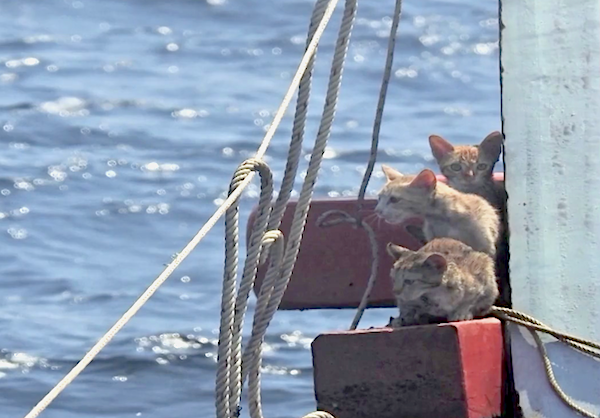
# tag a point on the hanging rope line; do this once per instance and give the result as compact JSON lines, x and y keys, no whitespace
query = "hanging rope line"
{"x":233,"y":367}
{"x":295,"y":149}
{"x":344,"y":217}
{"x":305,"y":63}
{"x":387,"y":72}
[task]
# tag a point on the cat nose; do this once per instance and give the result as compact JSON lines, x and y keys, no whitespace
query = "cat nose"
{"x":378,"y":210}
{"x":469,"y":173}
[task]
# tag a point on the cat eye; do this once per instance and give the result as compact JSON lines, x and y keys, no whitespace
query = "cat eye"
{"x":481,"y":166}
{"x":408,"y":281}
{"x":394,"y":199}
{"x":455,"y":167}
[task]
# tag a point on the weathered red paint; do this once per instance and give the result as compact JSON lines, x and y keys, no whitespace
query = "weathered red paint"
{"x":333,"y":264}
{"x":446,"y":370}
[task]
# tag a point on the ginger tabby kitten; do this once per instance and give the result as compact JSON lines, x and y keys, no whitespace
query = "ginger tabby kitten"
{"x":469,"y":168}
{"x":445,"y":212}
{"x":445,"y":280}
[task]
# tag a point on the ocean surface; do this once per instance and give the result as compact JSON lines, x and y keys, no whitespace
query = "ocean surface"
{"x":122,"y":123}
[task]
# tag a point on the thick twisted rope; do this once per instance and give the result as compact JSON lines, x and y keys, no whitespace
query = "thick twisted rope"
{"x":295,"y":149}
{"x":344,"y":217}
{"x":252,"y":359}
{"x":249,"y":274}
{"x":233,"y":309}
{"x":293,"y":159}
{"x":230,"y":375}
{"x":182,"y":255}
{"x":335,"y":77}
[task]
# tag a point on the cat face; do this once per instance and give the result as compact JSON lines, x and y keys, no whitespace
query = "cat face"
{"x":415,"y":273}
{"x":404,"y":197}
{"x":467,"y":166}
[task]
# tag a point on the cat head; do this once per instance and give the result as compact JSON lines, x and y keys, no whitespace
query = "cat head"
{"x":415,"y":273}
{"x":467,"y":166}
{"x":404,"y":197}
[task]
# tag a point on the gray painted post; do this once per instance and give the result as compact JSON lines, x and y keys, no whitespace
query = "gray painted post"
{"x":550,"y":55}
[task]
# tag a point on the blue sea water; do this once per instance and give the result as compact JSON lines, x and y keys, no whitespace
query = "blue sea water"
{"x":122,"y":123}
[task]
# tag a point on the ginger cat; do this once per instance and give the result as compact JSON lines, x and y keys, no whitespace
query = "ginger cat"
{"x":469,"y":168}
{"x":445,"y":280}
{"x":445,"y":212}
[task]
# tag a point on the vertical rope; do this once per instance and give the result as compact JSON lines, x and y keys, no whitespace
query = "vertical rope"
{"x":252,"y":359}
{"x":293,"y":159}
{"x":301,"y":212}
{"x":227,"y":400}
{"x":248,"y":277}
{"x":229,"y":374}
{"x":381,"y":104}
{"x":357,"y":220}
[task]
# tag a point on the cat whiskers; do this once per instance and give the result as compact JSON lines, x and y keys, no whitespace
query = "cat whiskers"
{"x":371,"y":218}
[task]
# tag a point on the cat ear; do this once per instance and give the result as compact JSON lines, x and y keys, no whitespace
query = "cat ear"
{"x":436,"y":262}
{"x":426,"y":179}
{"x":390,"y":173}
{"x":440,"y":147}
{"x":492,"y":144}
{"x":395,"y":251}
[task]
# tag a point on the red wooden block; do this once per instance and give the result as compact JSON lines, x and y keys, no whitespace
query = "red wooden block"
{"x":333,"y":265}
{"x":449,"y":370}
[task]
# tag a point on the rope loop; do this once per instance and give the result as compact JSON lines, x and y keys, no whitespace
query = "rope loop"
{"x":344,"y":217}
{"x":234,"y":304}
{"x":244,"y":170}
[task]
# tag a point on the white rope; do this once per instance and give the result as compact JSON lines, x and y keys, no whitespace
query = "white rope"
{"x":357,"y":220}
{"x":233,"y":309}
{"x":289,"y":177}
{"x":106,"y":338}
{"x":231,"y":372}
{"x":267,"y":297}
{"x":302,"y":206}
